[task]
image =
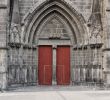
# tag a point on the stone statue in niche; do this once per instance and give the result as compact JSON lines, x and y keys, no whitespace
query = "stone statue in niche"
{"x":95,"y":34}
{"x":14,"y":34}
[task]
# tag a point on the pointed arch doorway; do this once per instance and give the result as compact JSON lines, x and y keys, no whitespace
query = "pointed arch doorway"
{"x":54,"y":54}
{"x":55,"y":26}
{"x":54,"y":65}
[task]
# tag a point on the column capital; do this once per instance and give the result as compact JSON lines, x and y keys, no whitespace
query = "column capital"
{"x":54,"y":46}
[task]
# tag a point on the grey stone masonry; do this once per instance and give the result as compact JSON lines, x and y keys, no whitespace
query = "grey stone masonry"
{"x":54,"y":22}
{"x":3,"y":39}
{"x":3,"y":23}
{"x":82,"y":6}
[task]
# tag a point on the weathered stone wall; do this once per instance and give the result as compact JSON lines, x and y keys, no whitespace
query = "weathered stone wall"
{"x":106,"y":35}
{"x":3,"y":51}
{"x":3,"y":69}
{"x":84,"y":7}
{"x":3,"y":22}
{"x":108,"y":21}
{"x":26,"y":5}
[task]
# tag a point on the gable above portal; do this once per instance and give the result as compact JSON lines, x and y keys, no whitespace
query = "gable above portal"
{"x":84,"y":7}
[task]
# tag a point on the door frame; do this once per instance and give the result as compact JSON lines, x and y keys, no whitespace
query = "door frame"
{"x":54,"y":47}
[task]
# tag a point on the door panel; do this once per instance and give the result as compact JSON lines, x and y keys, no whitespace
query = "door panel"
{"x":45,"y":65}
{"x":63,"y":65}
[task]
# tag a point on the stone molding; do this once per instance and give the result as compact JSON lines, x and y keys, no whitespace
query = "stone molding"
{"x":36,"y":16}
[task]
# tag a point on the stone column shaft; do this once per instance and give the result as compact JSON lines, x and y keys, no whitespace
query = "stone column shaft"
{"x":54,"y":64}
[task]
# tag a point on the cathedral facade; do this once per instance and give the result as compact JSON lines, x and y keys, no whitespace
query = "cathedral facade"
{"x":54,"y":42}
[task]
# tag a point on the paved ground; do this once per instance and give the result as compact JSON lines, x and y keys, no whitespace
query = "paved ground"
{"x":56,"y":93}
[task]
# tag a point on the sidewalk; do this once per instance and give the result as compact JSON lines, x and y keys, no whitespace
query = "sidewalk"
{"x":55,"y":93}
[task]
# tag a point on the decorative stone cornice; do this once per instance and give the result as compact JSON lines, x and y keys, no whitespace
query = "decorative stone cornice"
{"x":3,"y":6}
{"x":106,"y":49}
{"x":108,"y":9}
{"x":17,"y":45}
{"x":3,"y":47}
{"x":92,"y":46}
{"x":28,"y":46}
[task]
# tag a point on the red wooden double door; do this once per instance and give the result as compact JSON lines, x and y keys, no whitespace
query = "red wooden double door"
{"x":45,"y":58}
